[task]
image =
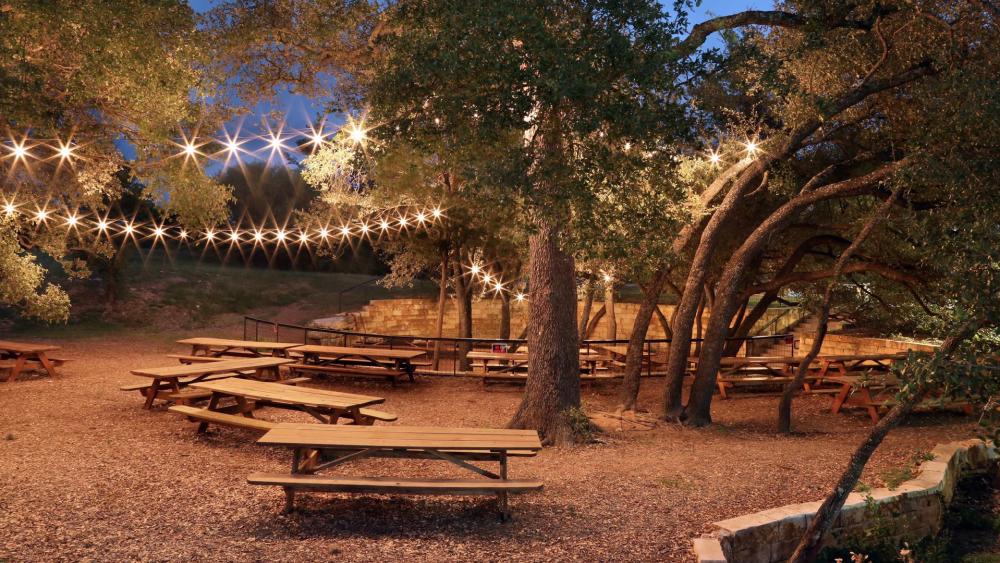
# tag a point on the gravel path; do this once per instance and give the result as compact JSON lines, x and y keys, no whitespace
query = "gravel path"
{"x":86,"y":474}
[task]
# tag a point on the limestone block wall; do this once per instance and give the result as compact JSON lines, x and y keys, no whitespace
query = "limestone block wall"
{"x":835,"y":344}
{"x":418,"y":317}
{"x":917,"y":507}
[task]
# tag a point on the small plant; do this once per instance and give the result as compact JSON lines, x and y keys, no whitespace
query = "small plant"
{"x":863,"y":488}
{"x":580,"y":423}
{"x":896,"y":477}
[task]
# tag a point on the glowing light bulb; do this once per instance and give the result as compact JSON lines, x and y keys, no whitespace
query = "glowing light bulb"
{"x":209,"y":235}
{"x":19,"y":151}
{"x":345,"y":231}
{"x":41,"y":215}
{"x":303,"y":237}
{"x":129,"y":229}
{"x":357,"y":134}
{"x":384,"y":225}
{"x":519,"y":297}
{"x":607,"y":277}
{"x":9,"y":209}
{"x":102,"y":224}
{"x":628,"y":146}
{"x":317,"y":139}
{"x":275,"y":143}
{"x":498,"y":287}
{"x":72,"y":220}
{"x":280,"y":235}
{"x":323,"y":233}
{"x":487,"y":278}
{"x":234,"y":236}
{"x":403,"y":221}
{"x":365,"y":228}
{"x":258,"y":236}
{"x":190,"y":149}
{"x":421,"y":217}
{"x":474,"y":269}
{"x":65,"y":151}
{"x":158,"y":232}
{"x":436,"y":213}
{"x":182,"y":235}
{"x":752,"y":148}
{"x":714,"y":157}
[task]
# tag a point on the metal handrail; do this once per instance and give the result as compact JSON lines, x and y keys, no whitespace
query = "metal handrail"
{"x":340,"y":294}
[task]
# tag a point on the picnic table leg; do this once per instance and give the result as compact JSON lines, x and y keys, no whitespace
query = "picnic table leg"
{"x":840,"y":397}
{"x":866,"y":396}
{"x":502,"y":496}
{"x":47,"y":364}
{"x":151,"y":393}
{"x":213,"y":404}
{"x":18,"y":366}
{"x":722,"y":389}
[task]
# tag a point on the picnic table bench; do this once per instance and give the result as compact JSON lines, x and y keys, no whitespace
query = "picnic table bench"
{"x":513,"y":361}
{"x":215,"y":347}
{"x":174,"y":378}
{"x":387,"y":363}
{"x":16,"y":356}
{"x":247,"y":395}
{"x":770,"y":370}
{"x":458,"y":446}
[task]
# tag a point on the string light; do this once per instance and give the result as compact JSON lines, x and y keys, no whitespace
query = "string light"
{"x":519,"y":297}
{"x":72,"y":220}
{"x":714,"y":157}
{"x":751,"y":147}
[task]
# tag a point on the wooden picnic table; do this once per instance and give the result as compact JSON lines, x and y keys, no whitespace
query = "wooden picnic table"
{"x":16,"y":355}
{"x":512,"y":361}
{"x":322,"y":404}
{"x":458,"y":446}
{"x":174,"y":377}
{"x":215,"y":347}
{"x":367,"y":362}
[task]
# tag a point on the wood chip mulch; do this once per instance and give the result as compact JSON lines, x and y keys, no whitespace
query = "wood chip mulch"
{"x":87,"y":475}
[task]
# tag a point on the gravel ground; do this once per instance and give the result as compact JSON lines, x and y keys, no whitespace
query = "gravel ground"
{"x":87,"y":475}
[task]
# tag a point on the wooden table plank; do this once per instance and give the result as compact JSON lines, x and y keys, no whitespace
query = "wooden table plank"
{"x":396,"y":437}
{"x":25,"y":347}
{"x":230,"y":343}
{"x":226,"y":366}
{"x":287,"y":394}
{"x":387,"y":353}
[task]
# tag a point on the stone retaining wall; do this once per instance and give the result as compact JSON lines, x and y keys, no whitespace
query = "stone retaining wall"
{"x":839,"y":344}
{"x":917,"y":507}
{"x":418,"y":317}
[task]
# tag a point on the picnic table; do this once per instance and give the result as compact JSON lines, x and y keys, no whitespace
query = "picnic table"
{"x":512,"y":361}
{"x":874,"y":393}
{"x":322,"y":404}
{"x":173,"y":378}
{"x":459,"y":446}
{"x":215,"y":347}
{"x":15,"y":356}
{"x":390,"y":363}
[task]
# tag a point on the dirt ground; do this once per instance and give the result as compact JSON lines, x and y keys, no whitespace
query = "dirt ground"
{"x":87,"y":475}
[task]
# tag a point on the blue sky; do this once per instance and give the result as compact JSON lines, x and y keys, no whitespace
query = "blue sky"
{"x":302,"y":111}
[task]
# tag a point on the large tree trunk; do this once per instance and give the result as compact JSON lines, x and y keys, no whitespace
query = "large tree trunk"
{"x":551,"y":400}
{"x":729,"y":286}
{"x":609,"y":306}
{"x":441,"y":304}
{"x":812,"y":541}
{"x":463,"y":298}
{"x":633,"y":356}
{"x":588,"y":304}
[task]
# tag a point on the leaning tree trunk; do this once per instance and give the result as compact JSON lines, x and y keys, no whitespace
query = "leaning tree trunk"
{"x":729,"y":285}
{"x":441,"y":304}
{"x":684,"y":319}
{"x":588,"y":304}
{"x":812,"y":541}
{"x":785,"y":406}
{"x":609,"y":306}
{"x":633,"y":355}
{"x":552,"y":393}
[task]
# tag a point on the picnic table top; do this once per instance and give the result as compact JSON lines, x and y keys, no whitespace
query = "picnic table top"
{"x":210,"y":368}
{"x":287,"y":394}
{"x":618,"y":349}
{"x":854,"y":380}
{"x":730,"y":360}
{"x":518,"y":356}
{"x":399,"y":437}
{"x":25,"y":347}
{"x":227,"y":343}
{"x":391,"y":353}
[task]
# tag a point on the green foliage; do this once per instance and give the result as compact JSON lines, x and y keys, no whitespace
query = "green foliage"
{"x":580,"y":424}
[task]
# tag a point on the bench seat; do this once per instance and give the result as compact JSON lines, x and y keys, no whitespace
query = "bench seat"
{"x":205,"y":415}
{"x":188,"y":359}
{"x":350,"y":370}
{"x":292,"y":482}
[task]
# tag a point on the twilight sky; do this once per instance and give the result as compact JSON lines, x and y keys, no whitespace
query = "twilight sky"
{"x":301,"y":111}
